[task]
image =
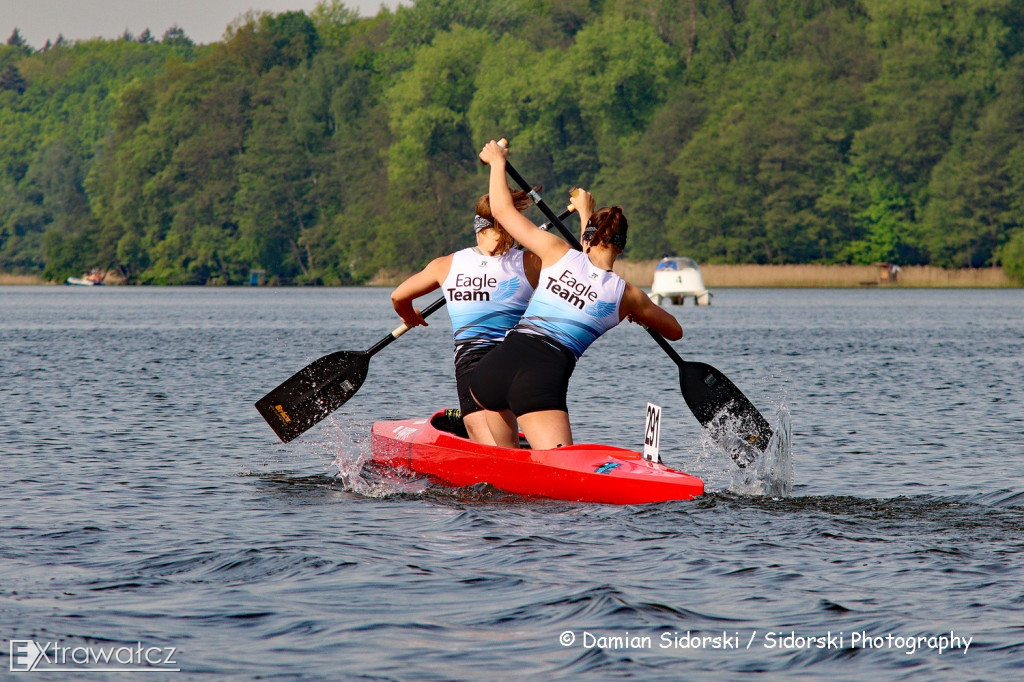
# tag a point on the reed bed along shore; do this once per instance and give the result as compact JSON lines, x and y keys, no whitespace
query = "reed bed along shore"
{"x":12,"y":280}
{"x":641,"y":273}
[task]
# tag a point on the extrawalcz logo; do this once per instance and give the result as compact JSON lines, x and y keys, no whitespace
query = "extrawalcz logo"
{"x":28,"y":656}
{"x":25,"y":655}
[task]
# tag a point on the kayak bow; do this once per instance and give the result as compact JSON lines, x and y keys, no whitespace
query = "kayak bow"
{"x":583,"y":472}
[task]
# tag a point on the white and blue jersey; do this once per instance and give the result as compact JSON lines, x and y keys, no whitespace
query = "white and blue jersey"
{"x":575,"y":303}
{"x":486,"y":297}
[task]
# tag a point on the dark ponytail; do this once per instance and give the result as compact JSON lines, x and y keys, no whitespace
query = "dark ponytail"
{"x":611,"y":227}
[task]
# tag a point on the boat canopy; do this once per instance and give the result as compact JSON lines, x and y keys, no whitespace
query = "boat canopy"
{"x":676,"y":263}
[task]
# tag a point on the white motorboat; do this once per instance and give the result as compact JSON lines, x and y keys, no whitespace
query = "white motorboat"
{"x":675,"y":278}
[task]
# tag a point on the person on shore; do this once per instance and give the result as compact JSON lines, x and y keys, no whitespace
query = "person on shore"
{"x":578,"y":299}
{"x":487,"y":288}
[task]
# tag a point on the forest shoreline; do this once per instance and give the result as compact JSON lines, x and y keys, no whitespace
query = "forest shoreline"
{"x":718,"y":276}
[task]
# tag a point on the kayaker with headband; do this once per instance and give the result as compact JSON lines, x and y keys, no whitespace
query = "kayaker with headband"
{"x":578,"y":299}
{"x":487,"y":288}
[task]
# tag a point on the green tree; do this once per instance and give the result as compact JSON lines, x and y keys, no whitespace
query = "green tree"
{"x":622,"y":70}
{"x":275,"y":177}
{"x":974,"y":191}
{"x":882,"y":224}
{"x":644,"y":183}
{"x":1012,"y":256}
{"x":431,"y":159}
{"x":16,"y":40}
{"x":753,"y":180}
{"x":11,"y":79}
{"x":540,"y":116}
{"x":326,"y":147}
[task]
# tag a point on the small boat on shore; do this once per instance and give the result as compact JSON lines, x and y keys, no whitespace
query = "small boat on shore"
{"x":90,"y":279}
{"x":583,"y":472}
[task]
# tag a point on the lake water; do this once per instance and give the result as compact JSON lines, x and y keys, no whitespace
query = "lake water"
{"x":146,"y":505}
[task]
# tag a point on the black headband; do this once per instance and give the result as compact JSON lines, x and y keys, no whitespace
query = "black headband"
{"x":618,"y":240}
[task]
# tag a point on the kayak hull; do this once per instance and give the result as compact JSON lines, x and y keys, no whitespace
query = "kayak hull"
{"x":583,"y":472}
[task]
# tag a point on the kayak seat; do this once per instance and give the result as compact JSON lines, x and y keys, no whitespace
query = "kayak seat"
{"x":450,"y":421}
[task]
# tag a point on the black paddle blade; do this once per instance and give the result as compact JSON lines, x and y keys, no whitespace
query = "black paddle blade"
{"x":313,"y":392}
{"x":722,"y":408}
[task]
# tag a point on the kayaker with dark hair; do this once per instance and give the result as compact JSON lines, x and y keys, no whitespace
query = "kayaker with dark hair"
{"x":578,"y":299}
{"x":487,"y":288}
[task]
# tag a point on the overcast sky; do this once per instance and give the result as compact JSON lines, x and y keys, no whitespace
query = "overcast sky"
{"x":204,"y":21}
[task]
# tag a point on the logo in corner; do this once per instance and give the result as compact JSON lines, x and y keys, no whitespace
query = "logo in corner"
{"x":25,"y":655}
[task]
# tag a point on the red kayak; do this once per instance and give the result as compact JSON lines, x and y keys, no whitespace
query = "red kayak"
{"x":583,"y":472}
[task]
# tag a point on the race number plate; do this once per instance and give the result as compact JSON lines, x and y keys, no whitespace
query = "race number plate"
{"x":652,"y":433}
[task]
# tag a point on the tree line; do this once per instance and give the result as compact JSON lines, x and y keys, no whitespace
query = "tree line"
{"x":325,"y":147}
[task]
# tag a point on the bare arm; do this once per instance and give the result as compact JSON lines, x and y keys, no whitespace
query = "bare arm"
{"x":532,"y":265}
{"x":638,"y":307}
{"x":583,"y":202}
{"x":423,"y":282}
{"x":549,"y":247}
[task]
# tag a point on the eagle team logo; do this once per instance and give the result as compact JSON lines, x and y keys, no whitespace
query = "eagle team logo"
{"x":599,"y":309}
{"x":469,"y":288}
{"x":506,"y":289}
{"x":571,"y":290}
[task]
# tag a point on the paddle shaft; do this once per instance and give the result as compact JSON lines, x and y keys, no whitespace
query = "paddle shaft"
{"x":542,"y":205}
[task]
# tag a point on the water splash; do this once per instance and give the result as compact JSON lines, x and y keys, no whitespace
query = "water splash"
{"x":347,"y":443}
{"x":771,"y":473}
{"x":351,"y":448}
{"x":768,"y":473}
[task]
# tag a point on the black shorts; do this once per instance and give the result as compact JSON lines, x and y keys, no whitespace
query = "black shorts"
{"x":525,"y":373}
{"x":465,"y":364}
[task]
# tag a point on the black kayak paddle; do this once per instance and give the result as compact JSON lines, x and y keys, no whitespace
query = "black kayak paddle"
{"x":323,"y":386}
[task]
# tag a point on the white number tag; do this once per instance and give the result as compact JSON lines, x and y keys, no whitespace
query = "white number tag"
{"x":652,"y":433}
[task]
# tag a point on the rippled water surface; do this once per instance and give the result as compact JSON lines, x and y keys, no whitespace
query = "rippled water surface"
{"x":144,"y":501}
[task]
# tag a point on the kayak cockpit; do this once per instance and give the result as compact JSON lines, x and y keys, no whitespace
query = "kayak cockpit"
{"x":450,"y":421}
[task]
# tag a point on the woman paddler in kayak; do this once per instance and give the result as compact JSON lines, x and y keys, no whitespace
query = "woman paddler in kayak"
{"x":578,"y":299}
{"x":487,"y":287}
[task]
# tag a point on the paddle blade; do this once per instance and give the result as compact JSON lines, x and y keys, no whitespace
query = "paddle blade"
{"x":723,"y":409}
{"x":313,"y":392}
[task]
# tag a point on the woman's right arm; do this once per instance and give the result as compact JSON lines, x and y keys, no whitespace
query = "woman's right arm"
{"x":583,"y":202}
{"x":549,"y":247}
{"x":423,"y":282}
